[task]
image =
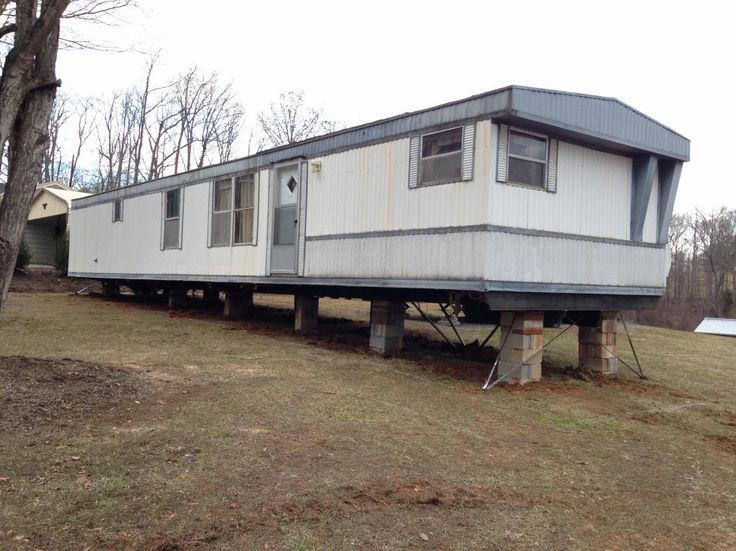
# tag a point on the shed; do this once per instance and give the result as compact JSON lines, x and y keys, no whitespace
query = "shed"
{"x":717,"y":326}
{"x":48,"y":220}
{"x":522,"y":202}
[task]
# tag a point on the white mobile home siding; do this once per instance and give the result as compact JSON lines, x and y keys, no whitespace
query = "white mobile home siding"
{"x":472,"y":230}
{"x":133,"y":246}
{"x":593,"y":196}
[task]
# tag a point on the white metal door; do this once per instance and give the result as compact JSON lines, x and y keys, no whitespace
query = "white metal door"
{"x":285,"y":219}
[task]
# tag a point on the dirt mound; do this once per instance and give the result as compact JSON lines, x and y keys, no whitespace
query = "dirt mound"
{"x":36,"y":391}
{"x":377,"y":496}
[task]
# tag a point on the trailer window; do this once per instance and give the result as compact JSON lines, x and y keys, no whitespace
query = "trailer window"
{"x":117,"y":210}
{"x":441,"y":159}
{"x":527,"y":159}
{"x":221,"y":212}
{"x":244,"y":209}
{"x":172,"y":219}
{"x":234,"y":211}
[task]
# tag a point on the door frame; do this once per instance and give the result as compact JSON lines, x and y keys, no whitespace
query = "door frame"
{"x":273,"y":192}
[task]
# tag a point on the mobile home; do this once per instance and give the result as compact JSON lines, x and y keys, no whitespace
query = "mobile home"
{"x":525,"y":201}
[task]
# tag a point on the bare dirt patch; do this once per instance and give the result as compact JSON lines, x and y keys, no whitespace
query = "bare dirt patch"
{"x":35,"y":391}
{"x":46,"y":280}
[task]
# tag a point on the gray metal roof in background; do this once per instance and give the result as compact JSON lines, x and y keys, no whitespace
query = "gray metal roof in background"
{"x":599,"y":121}
{"x":717,"y":326}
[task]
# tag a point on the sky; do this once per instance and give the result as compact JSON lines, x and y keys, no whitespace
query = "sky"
{"x":359,"y":62}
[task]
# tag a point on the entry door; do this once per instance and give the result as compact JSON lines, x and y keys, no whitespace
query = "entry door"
{"x":285,"y":219}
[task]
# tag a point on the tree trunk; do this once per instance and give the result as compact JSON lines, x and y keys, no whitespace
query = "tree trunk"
{"x":27,"y":146}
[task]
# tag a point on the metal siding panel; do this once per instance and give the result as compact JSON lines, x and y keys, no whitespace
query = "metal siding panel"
{"x":474,"y":255}
{"x":366,"y":190}
{"x":502,"y":153}
{"x":593,"y":197}
{"x":468,"y":151}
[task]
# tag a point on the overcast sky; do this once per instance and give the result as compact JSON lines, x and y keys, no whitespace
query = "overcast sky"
{"x":363,"y":61}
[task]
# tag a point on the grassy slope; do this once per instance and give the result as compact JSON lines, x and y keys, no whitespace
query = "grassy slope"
{"x":251,"y":438}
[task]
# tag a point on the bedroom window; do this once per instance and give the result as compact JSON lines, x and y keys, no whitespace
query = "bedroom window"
{"x":441,"y":156}
{"x":117,"y":210}
{"x":527,"y":159}
{"x":172,"y":219}
{"x":233,"y":211}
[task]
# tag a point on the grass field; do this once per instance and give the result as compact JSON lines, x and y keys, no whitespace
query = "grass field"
{"x":123,"y":426}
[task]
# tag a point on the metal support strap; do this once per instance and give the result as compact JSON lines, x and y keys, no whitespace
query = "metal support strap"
{"x":511,"y":371}
{"x":426,"y":318}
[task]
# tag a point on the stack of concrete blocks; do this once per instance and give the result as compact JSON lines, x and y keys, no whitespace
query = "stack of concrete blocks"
{"x":387,"y":326}
{"x":597,"y":346}
{"x":306,"y":313}
{"x":521,"y":355}
{"x":237,"y":302}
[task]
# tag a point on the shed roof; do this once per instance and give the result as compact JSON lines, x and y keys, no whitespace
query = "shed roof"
{"x":717,"y":326}
{"x":599,"y":121}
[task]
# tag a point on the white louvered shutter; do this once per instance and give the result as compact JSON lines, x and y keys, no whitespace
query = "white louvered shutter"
{"x":414,"y":162}
{"x":269,"y":219}
{"x":209,"y":214}
{"x":502,"y":155}
{"x":302,"y":217}
{"x":552,"y":166}
{"x":468,"y":151}
{"x":256,"y":204}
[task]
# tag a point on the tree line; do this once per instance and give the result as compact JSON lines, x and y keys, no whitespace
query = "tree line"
{"x":702,"y":277}
{"x":152,"y":130}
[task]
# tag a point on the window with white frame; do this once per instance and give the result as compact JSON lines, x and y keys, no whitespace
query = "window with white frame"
{"x":117,"y":210}
{"x":233,"y":211}
{"x":172,"y":219}
{"x":222,"y":212}
{"x":244,"y":209}
{"x":441,"y":156}
{"x":527,"y":159}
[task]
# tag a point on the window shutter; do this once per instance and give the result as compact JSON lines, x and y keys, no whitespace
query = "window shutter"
{"x":502,"y":156}
{"x":269,"y":219}
{"x":413,"y":161}
{"x":209,"y":213}
{"x":163,"y":219}
{"x":302,"y":218}
{"x":552,"y":166}
{"x":468,"y":150}
{"x":256,"y":204}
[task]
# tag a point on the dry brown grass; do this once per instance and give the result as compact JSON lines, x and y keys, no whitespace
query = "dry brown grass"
{"x":187,"y":431}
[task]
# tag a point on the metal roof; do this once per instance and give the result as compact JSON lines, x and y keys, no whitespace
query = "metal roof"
{"x":602,"y":122}
{"x":717,"y":326}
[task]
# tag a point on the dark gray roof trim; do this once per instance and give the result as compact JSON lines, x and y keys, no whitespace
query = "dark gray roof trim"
{"x":598,"y":121}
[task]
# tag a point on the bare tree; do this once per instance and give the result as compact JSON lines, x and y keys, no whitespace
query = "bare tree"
{"x":85,"y":113}
{"x":290,"y":120}
{"x":52,"y":161}
{"x":27,"y":89}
